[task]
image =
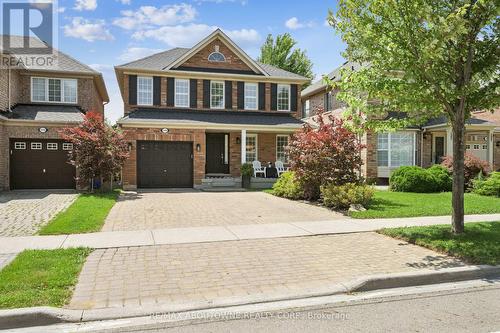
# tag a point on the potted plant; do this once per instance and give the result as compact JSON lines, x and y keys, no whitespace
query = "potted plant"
{"x":246,"y":175}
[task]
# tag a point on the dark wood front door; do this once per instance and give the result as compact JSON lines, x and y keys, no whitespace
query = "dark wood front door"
{"x":439,"y":149}
{"x":164,"y":164}
{"x":40,"y":164}
{"x":217,"y":153}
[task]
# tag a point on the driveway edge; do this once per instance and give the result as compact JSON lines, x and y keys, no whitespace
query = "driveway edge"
{"x":41,"y":316}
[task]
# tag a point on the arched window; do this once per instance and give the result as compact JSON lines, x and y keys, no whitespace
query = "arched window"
{"x":216,"y":57}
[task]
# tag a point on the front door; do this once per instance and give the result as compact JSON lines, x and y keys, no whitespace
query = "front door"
{"x":438,"y":149}
{"x":217,"y":153}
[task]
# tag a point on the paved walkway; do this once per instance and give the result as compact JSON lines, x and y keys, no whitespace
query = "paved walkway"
{"x":5,"y":259}
{"x":190,"y":208}
{"x":23,"y":213}
{"x":169,"y":274}
{"x":103,"y":240}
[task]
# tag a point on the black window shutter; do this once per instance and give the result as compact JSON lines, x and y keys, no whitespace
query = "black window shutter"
{"x":170,"y":91}
{"x":262,"y":96}
{"x":157,"y":90}
{"x":206,"y":94}
{"x":193,"y":93}
{"x":293,"y":97}
{"x":274,"y":96}
{"x":228,"y":94}
{"x":132,"y":89}
{"x":241,"y":95}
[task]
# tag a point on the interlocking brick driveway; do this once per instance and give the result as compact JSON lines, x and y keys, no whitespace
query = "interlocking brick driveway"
{"x":166,"y":274}
{"x":22,"y":213}
{"x":156,"y":210}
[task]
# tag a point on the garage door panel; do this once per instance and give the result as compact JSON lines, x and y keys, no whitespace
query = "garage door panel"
{"x":164,"y":164}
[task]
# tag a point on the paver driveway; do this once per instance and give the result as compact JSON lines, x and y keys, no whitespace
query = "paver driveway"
{"x":172,"y":209}
{"x":22,"y":213}
{"x":166,"y":274}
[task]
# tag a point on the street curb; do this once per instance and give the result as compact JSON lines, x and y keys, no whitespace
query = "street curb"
{"x":41,"y":316}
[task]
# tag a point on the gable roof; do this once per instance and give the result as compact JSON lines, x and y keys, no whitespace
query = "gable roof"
{"x":171,"y":59}
{"x":64,"y":63}
{"x":334,"y":75}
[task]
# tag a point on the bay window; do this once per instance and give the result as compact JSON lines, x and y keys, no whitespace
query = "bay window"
{"x":283,"y":97}
{"x":181,"y":93}
{"x":251,"y":96}
{"x":281,"y":144}
{"x":144,"y":90}
{"x":54,"y":90}
{"x":216,"y":94}
{"x":396,"y":149}
{"x":251,"y":152}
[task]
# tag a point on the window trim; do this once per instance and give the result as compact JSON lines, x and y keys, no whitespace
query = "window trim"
{"x":216,"y":52}
{"x":389,"y":136}
{"x":256,"y":136}
{"x":52,"y":143}
{"x":287,"y":140}
{"x":256,"y":85}
{"x":38,"y":144}
{"x":46,"y":79}
{"x":175,"y":93}
{"x":68,"y":146}
{"x":289,"y":97}
{"x":223,"y":95}
{"x":19,"y":144}
{"x":149,"y":78}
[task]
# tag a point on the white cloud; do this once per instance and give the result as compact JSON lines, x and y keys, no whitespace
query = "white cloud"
{"x":87,"y":30}
{"x":85,"y":5}
{"x":61,"y":9}
{"x":188,"y":35}
{"x":293,"y":23}
{"x":133,"y":53}
{"x":150,"y":16}
{"x":125,"y":2}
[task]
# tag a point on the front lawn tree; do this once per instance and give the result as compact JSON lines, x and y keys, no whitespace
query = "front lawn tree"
{"x":99,"y":150}
{"x":426,"y":59}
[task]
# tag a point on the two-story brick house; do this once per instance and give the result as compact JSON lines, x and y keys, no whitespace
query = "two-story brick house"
{"x":192,"y":113}
{"x":420,"y":145}
{"x":36,"y":101}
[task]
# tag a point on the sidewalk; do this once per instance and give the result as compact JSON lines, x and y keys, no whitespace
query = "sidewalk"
{"x":117,"y":239}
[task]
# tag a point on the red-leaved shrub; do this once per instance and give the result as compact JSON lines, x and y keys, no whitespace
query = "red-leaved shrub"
{"x":472,"y":167}
{"x":326,"y":154}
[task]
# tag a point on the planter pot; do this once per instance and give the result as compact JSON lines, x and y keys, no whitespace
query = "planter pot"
{"x":245,"y":181}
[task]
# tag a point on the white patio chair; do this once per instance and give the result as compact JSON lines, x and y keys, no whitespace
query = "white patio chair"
{"x":280,"y":168}
{"x":257,"y":168}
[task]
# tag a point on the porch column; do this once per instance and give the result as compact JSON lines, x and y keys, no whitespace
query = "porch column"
{"x":243,"y":146}
{"x":449,"y":142}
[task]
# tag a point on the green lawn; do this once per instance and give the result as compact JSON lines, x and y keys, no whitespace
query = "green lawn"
{"x":401,"y":204}
{"x":41,"y":278}
{"x":86,"y":214}
{"x":480,"y":244}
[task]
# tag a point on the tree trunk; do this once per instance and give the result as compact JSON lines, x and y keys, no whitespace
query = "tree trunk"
{"x":458,"y":126}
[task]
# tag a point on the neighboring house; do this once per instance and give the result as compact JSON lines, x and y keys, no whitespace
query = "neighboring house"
{"x":198,"y":113}
{"x":424,"y":146}
{"x":35,"y":102}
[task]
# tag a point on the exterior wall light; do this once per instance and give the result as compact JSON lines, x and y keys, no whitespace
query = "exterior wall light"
{"x":238,"y":140}
{"x":198,"y":147}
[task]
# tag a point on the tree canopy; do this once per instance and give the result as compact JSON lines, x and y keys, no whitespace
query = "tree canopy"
{"x":283,"y":54}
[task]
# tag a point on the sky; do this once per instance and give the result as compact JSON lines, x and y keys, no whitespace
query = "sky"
{"x":106,"y":33}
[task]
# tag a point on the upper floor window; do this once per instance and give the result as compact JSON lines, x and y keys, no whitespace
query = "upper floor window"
{"x":144,"y":90}
{"x":54,"y":90}
{"x":396,"y":149}
{"x":283,"y":97}
{"x":217,"y":94}
{"x":216,"y":57}
{"x":181,"y":92}
{"x":251,"y":96}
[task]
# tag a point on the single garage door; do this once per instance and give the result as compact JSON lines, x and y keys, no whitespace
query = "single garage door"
{"x":164,"y":164}
{"x":40,"y":164}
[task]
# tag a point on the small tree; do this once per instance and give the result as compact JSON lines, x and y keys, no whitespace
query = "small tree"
{"x":99,"y":151}
{"x":330,"y":153}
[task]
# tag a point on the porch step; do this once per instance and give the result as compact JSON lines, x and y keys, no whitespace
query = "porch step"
{"x":222,"y":183}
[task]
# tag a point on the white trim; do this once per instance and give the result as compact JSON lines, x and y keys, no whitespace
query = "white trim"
{"x":149,"y":78}
{"x":288,"y":141}
{"x":61,"y":79}
{"x":210,"y":126}
{"x":36,"y":146}
{"x":256,"y":85}
{"x":216,"y":52}
{"x":256,"y":136}
{"x":243,"y":143}
{"x":52,"y":146}
{"x":188,"y":92}
{"x":223,"y":94}
{"x":19,"y":145}
{"x":289,"y":97}
{"x":389,"y":152}
{"x":226,"y":148}
{"x":67,"y":146}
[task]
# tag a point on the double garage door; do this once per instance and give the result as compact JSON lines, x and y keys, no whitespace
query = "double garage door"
{"x":40,"y":164}
{"x":164,"y":164}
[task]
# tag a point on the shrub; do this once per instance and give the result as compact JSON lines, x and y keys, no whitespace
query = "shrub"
{"x":287,"y":186}
{"x":489,"y":186}
{"x":442,"y":178}
{"x":343,"y":196}
{"x":328,"y":153}
{"x":246,"y":170}
{"x":473,"y":167}
{"x":412,"y":179}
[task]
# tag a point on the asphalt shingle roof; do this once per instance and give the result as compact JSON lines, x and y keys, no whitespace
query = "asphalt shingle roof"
{"x":333,"y":75}
{"x":46,"y":113}
{"x":213,"y":117}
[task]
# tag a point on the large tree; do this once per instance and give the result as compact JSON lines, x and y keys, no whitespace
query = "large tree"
{"x":283,"y":54}
{"x":424,"y":58}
